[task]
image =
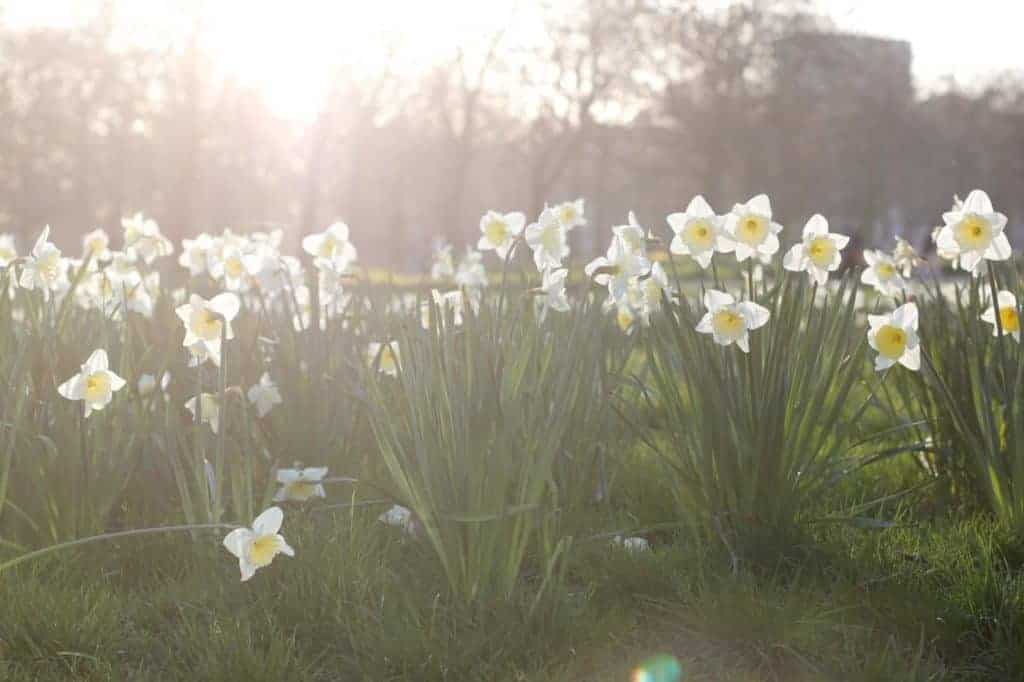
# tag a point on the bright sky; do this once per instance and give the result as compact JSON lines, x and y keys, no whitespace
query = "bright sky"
{"x":288,"y":49}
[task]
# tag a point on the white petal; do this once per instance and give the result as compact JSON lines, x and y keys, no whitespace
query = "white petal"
{"x":906,"y":316}
{"x":756,"y":315}
{"x":816,"y":226}
{"x":794,"y":259}
{"x":236,"y":540}
{"x":699,"y":206}
{"x":714,"y":299}
{"x":911,"y":359}
{"x":226,"y":305}
{"x":761,"y":205}
{"x":269,"y":522}
{"x":977,"y":202}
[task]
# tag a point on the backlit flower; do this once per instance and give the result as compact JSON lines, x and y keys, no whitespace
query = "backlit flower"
{"x":389,"y":360}
{"x":752,"y":230}
{"x":94,"y":385}
{"x":331,"y":245}
{"x":142,"y":236}
{"x":882,"y":273}
{"x":548,"y":238}
{"x":974,"y":232}
{"x":206,"y":321}
{"x":300,"y":485}
{"x":44,"y":268}
{"x":499,"y":232}
{"x":210,"y":409}
{"x":256,"y":547}
{"x":570,"y":214}
{"x":699,"y":233}
{"x":1009,"y":316}
{"x":894,"y":336}
{"x":551,"y":294}
{"x":97,"y":245}
{"x":731,"y":322}
{"x":617,"y":269}
{"x":264,"y":395}
{"x":819,"y":252}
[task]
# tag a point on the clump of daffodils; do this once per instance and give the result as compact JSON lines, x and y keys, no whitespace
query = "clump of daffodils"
{"x":819,"y":252}
{"x":94,"y":384}
{"x":257,"y":546}
{"x":894,"y":336}
{"x":729,"y":321}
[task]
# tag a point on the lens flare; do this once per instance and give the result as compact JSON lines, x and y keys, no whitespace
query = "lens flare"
{"x":661,"y":668}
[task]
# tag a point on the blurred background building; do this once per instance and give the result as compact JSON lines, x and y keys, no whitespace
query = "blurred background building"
{"x":630,"y":104}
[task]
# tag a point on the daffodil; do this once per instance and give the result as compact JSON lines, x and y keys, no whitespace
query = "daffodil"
{"x":470,"y":272}
{"x":94,"y":384}
{"x":398,"y":517}
{"x":894,"y":336}
{"x":882,"y":273}
{"x":632,"y":235}
{"x":97,"y":245}
{"x":750,"y":227}
{"x":264,"y":395}
{"x":570,"y":214}
{"x":731,"y":322}
{"x":211,"y":409}
{"x":44,"y":268}
{"x":142,"y":236}
{"x":443,"y":265}
{"x":548,"y":238}
{"x":300,"y":485}
{"x":8,"y":252}
{"x":195,"y":254}
{"x":619,"y":267}
{"x":389,"y":361}
{"x":699,"y":233}
{"x":499,"y":232}
{"x":331,"y":245}
{"x":551,"y":294}
{"x":973,"y":232}
{"x":256,"y":547}
{"x":905,"y":257}
{"x":1009,"y":316}
{"x":206,"y":321}
{"x":819,"y":252}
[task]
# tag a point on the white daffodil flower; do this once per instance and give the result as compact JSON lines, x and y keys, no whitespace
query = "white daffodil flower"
{"x":331,"y":245}
{"x":196,"y":253}
{"x":551,"y":293}
{"x":699,"y":233}
{"x":882,"y":273}
{"x":398,"y":517}
{"x":8,"y":252}
{"x":973,"y":232}
{"x":96,"y":244}
{"x":751,"y":229}
{"x":548,"y":238}
{"x":230,"y":268}
{"x":211,"y":410}
{"x":731,"y":322}
{"x":894,"y":336}
{"x":471,"y":272}
{"x":300,"y":485}
{"x":570,"y":214}
{"x":94,"y":385}
{"x":264,"y":395}
{"x":632,"y":235}
{"x":205,"y":321}
{"x":617,"y":269}
{"x":142,"y":236}
{"x":905,"y":257}
{"x":651,"y":289}
{"x":390,"y":359}
{"x":442,"y":267}
{"x":44,"y":268}
{"x":256,"y":547}
{"x":819,"y":253}
{"x":500,"y":232}
{"x":634,"y":545}
{"x":1009,"y":317}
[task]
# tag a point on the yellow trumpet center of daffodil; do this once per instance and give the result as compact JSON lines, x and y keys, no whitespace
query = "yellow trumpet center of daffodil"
{"x":821,"y":251}
{"x":7,"y":254}
{"x":973,"y":232}
{"x":752,"y":229}
{"x":300,"y":490}
{"x":496,"y":232}
{"x":263,"y":550}
{"x":233,"y":267}
{"x":568,"y":214}
{"x":891,"y":341}
{"x":97,"y":386}
{"x":624,"y":318}
{"x":95,"y":245}
{"x":728,"y":323}
{"x":388,"y":361}
{"x":885,"y":271}
{"x":699,"y":234}
{"x":328,"y":246}
{"x":1010,"y":320}
{"x":206,"y":325}
{"x":550,"y":238}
